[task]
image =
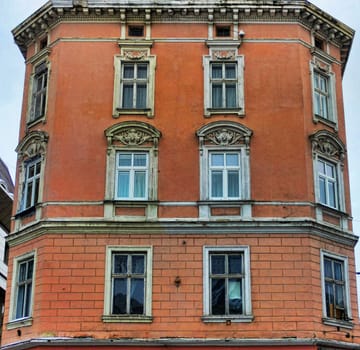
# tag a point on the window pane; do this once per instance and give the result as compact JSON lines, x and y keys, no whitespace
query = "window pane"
{"x":140,"y":159}
{"x":332,"y":195}
{"x":232,"y":159}
{"x":137,"y":296}
{"x":30,"y":268}
{"x":139,"y":184}
{"x":125,"y":159}
{"x":123,"y":184}
{"x":31,"y":170}
{"x":230,"y":71}
{"x":138,"y":264}
{"x":128,"y":95}
{"x":322,"y":190}
{"x":324,"y":107}
{"x":141,"y":96}
{"x":128,"y":71}
{"x":235,"y":297}
{"x":20,"y":302}
{"x":36,"y":191}
{"x":120,"y":263}
{"x":233,"y":184}
{"x":230,"y":95}
{"x":217,"y":96}
{"x":217,"y":264}
{"x":339,"y":296}
{"x":217,"y":159}
{"x":142,"y":71}
{"x":329,"y":299}
{"x":216,"y":184}
{"x":218,"y":296}
{"x":235,"y":264}
{"x":328,"y":268}
{"x":119,"y":296}
{"x":338,"y":274}
{"x":28,"y":300}
{"x":330,"y":170}
{"x":22,"y":272}
{"x":29,"y":190}
{"x":216,"y":71}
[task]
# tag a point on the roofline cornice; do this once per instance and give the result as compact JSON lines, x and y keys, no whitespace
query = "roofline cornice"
{"x":236,"y":11}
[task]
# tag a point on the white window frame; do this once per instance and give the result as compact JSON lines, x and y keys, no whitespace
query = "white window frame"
{"x":323,"y":70}
{"x":223,"y":52}
{"x":14,"y":321}
{"x":147,"y":316}
{"x":225,"y":169}
{"x":132,"y":169}
{"x":34,"y":181}
{"x":135,"y":53}
{"x":333,"y":321}
{"x":247,"y":306}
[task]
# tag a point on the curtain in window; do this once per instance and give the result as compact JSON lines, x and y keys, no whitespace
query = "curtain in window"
{"x":141,"y":96}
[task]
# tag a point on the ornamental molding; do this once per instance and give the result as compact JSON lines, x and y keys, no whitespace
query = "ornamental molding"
{"x":33,"y":144}
{"x":135,"y":54}
{"x":177,"y":11}
{"x":132,"y":133}
{"x":223,"y":55}
{"x":328,"y":145}
{"x":224,"y":134}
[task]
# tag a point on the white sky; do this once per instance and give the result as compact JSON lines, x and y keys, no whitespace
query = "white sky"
{"x":12,"y":75}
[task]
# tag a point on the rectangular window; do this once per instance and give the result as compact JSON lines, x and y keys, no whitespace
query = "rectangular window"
{"x":223,"y":31}
{"x":24,"y":281}
{"x":335,"y":287}
{"x":132,"y":170}
{"x":39,"y":91}
{"x":227,"y":283}
{"x":224,"y":175}
{"x":136,"y":30}
{"x":31,"y":184}
{"x":322,"y":95}
{"x":327,"y":183}
{"x":223,"y":85}
{"x":128,"y":280}
{"x":128,"y":284}
{"x":134,"y":85}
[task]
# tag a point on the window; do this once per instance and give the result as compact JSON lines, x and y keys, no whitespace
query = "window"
{"x":132,"y":175}
{"x":136,"y":30}
{"x":134,"y":78}
{"x":227,"y":284}
{"x":328,"y":154}
{"x":223,"y":31}
{"x":324,"y":102}
{"x":327,"y":182}
{"x":223,"y":80}
{"x":31,"y":184}
{"x":132,"y":170}
{"x":22,"y":291}
{"x":39,"y":92}
{"x":134,"y":85}
{"x":335,"y":288}
{"x":128,"y":286}
{"x":225,"y":176}
{"x":31,"y":152}
{"x":321,"y":95}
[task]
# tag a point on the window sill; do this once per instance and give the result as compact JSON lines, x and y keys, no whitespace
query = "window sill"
{"x":22,"y":322}
{"x":134,"y":111}
{"x":338,"y":323}
{"x":216,"y":111}
{"x":228,"y":319}
{"x":32,"y":123}
{"x":328,"y":122}
{"x":126,"y":319}
{"x":25,"y":212}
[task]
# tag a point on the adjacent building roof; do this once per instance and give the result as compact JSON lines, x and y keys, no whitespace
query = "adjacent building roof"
{"x":6,"y":196}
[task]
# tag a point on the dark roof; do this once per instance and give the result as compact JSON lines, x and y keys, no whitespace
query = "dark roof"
{"x":6,"y":199}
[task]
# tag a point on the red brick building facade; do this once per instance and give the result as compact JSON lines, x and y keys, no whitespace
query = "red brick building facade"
{"x":182,"y":178}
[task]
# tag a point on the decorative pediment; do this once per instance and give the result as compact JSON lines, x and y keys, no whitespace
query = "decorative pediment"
{"x":33,"y":144}
{"x":327,"y":144}
{"x":132,"y":133}
{"x":225,"y":134}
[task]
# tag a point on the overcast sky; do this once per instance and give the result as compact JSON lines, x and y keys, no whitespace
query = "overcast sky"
{"x":12,"y":78}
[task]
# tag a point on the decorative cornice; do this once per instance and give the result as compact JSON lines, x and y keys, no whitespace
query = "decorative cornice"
{"x":189,"y":342}
{"x":242,"y":11}
{"x":303,"y":226}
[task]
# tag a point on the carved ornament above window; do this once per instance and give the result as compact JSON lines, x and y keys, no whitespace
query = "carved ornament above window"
{"x":32,"y":145}
{"x":327,"y":144}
